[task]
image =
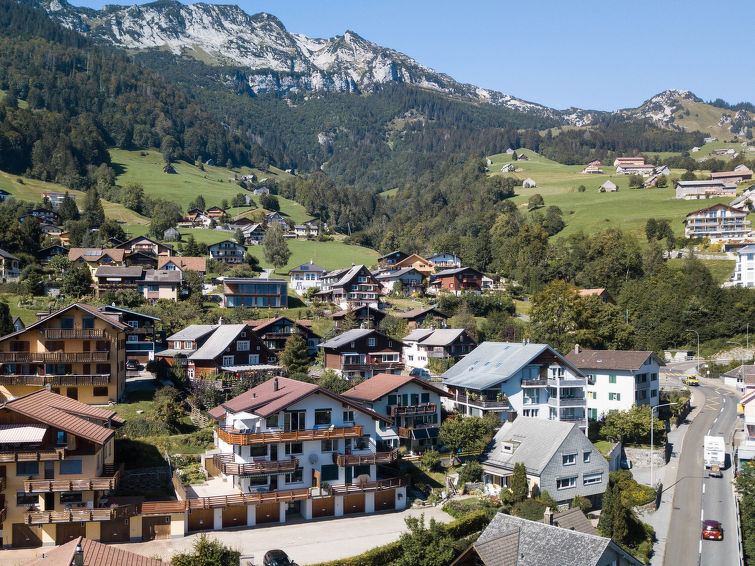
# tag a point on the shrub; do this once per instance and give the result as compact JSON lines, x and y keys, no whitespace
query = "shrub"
{"x":531,"y":509}
{"x":430,"y":460}
{"x":140,"y":428}
{"x":546,"y":499}
{"x":471,"y":472}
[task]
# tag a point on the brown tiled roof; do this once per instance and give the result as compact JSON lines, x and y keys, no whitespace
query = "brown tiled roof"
{"x":383,"y":383}
{"x":94,"y":311}
{"x":185,"y":263}
{"x":588,"y":292}
{"x":261,"y":324}
{"x":264,"y":400}
{"x":610,"y":359}
{"x":94,"y":554}
{"x":65,"y":413}
{"x":727,"y":174}
{"x":78,"y":253}
{"x":414,"y":313}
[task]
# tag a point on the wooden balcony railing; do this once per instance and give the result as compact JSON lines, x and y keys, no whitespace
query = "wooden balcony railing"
{"x":223,"y":501}
{"x":87,"y":484}
{"x":73,"y":333}
{"x":407,"y":432}
{"x":79,"y":515}
{"x":378,"y":485}
{"x":225,"y":464}
{"x":238,"y":438}
{"x":55,"y":380}
{"x":54,"y":357}
{"x":409,"y":410}
{"x":365,"y":459}
{"x":32,"y":455}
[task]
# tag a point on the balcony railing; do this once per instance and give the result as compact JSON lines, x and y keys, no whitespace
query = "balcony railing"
{"x":563,"y":382}
{"x":55,"y":380}
{"x":407,"y":432}
{"x":534,"y":383}
{"x":378,"y":485}
{"x":372,"y":366}
{"x":73,"y":333}
{"x":365,"y":459}
{"x":225,"y":464}
{"x":236,"y":437}
{"x":224,"y":501}
{"x":567,"y":401}
{"x":32,"y":455}
{"x":3,"y":483}
{"x":572,"y":418}
{"x":409,"y":410}
{"x":54,"y":357}
{"x":87,"y":484}
{"x":79,"y":515}
{"x":484,"y":403}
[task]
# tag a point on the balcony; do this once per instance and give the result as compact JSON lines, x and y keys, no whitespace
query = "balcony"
{"x":44,"y":357}
{"x":483,"y":402}
{"x":377,"y":366}
{"x":88,"y":484}
{"x":239,"y":438}
{"x":407,"y":432}
{"x":365,"y":459}
{"x":223,"y":501}
{"x":534,"y":383}
{"x":78,"y":515}
{"x":410,"y":410}
{"x":379,"y":485}
{"x":73,"y":333}
{"x":553,"y":382}
{"x":440,"y":354}
{"x":572,"y":418}
{"x":225,"y":464}
{"x":567,"y":401}
{"x":32,"y":455}
{"x":55,"y":380}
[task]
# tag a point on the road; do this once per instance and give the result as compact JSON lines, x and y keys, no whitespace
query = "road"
{"x":699,"y":497}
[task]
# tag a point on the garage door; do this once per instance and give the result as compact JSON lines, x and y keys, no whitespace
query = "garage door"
{"x":353,"y":503}
{"x":156,"y":528}
{"x":268,"y":513}
{"x":66,"y":532}
{"x":26,"y":536}
{"x":385,"y":499}
{"x":234,"y":517}
{"x":201,"y":520}
{"x":323,"y":507}
{"x":116,"y":530}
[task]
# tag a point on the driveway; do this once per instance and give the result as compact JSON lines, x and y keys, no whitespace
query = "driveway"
{"x":307,"y":542}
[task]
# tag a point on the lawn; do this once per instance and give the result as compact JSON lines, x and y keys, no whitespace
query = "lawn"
{"x":604,"y":446}
{"x":330,"y":255}
{"x":720,"y":269}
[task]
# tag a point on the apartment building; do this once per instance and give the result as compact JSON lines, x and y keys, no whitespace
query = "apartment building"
{"x":227,"y":251}
{"x":421,"y":345}
{"x":294,"y":449}
{"x":363,"y":353}
{"x":141,"y":335}
{"x":617,"y":379}
{"x":718,"y":222}
{"x":57,"y":466}
{"x":274,"y":332}
{"x":532,"y":380}
{"x":153,"y":284}
{"x":306,"y":276}
{"x":252,"y":292}
{"x":352,"y":288}
{"x":78,"y":351}
{"x":744,"y":270}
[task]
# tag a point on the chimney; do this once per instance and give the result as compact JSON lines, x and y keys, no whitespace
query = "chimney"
{"x":275,"y":384}
{"x":78,"y":555}
{"x":576,"y":348}
{"x":548,"y":516}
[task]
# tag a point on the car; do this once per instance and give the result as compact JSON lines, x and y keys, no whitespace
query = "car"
{"x":420,"y":372}
{"x":132,"y":365}
{"x":690,"y":380}
{"x":712,"y":530}
{"x":277,"y":558}
{"x":715,"y":472}
{"x":626,"y":464}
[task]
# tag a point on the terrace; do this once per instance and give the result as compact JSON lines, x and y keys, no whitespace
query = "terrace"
{"x":104,"y":483}
{"x":225,"y":463}
{"x":55,"y":380}
{"x":236,"y":437}
{"x":342,"y":460}
{"x":43,"y":357}
{"x":410,"y":410}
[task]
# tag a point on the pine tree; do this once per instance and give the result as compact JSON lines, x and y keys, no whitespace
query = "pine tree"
{"x":68,"y":209}
{"x":350,"y":321}
{"x":605,"y":523}
{"x":621,"y":518}
{"x":6,"y":320}
{"x":519,"y":482}
{"x":275,"y":247}
{"x":94,"y":214}
{"x":295,"y":357}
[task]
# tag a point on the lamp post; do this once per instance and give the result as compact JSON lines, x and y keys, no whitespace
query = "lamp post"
{"x":698,"y":348}
{"x":652,"y":466}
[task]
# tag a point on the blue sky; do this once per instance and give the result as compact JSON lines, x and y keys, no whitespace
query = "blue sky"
{"x":596,"y":55}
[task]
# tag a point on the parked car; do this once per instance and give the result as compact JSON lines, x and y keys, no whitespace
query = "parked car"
{"x":712,"y":530}
{"x":132,"y":365}
{"x":715,"y":472}
{"x":277,"y":558}
{"x":690,"y":380}
{"x":420,"y":372}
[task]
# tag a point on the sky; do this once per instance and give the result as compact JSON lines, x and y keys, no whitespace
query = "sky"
{"x":560,"y":53}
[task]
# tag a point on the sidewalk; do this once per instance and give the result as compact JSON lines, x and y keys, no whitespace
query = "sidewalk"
{"x":661,"y":518}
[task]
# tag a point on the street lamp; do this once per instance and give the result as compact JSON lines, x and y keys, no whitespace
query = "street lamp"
{"x":698,"y":348}
{"x":652,"y":467}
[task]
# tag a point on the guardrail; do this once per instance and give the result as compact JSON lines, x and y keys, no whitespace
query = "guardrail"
{"x":103,"y":356}
{"x":378,"y":485}
{"x":485,"y":403}
{"x":407,"y":432}
{"x":32,"y":455}
{"x":55,"y":380}
{"x":408,"y":410}
{"x":236,"y":437}
{"x":73,"y":333}
{"x":79,"y":515}
{"x":87,"y":484}
{"x":225,"y":464}
{"x":342,"y":460}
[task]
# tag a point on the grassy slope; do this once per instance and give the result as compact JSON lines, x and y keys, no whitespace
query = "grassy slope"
{"x":591,"y":210}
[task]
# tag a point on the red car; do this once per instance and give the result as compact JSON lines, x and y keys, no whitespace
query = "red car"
{"x":712,"y":530}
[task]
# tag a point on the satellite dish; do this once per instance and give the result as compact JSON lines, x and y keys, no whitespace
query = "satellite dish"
{"x":313,"y":458}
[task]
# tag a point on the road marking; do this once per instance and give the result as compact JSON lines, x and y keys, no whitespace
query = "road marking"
{"x":701,"y":516}
{"x":703,"y":489}
{"x":715,"y":420}
{"x":700,"y":547}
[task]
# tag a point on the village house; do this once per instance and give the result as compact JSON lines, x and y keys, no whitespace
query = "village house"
{"x":717,"y":222}
{"x":522,"y":157}
{"x":391,"y":259}
{"x":9,"y":267}
{"x":306,"y":276}
{"x":635,"y":169}
{"x":411,"y":403}
{"x":457,"y":281}
{"x":364,"y":316}
{"x":608,"y":187}
{"x":227,"y":251}
{"x":362,"y":353}
{"x":410,"y":281}
{"x":45,"y":216}
{"x":77,"y":351}
{"x":601,"y":293}
{"x":744,"y":270}
{"x":216,"y":213}
{"x":742,"y":377}
{"x":691,"y":190}
{"x":275,"y":332}
{"x":253,"y":233}
{"x":724,"y":151}
{"x":3,"y":195}
{"x":422,"y":345}
{"x":81,"y":551}
{"x":150,"y":283}
{"x":46,"y":254}
{"x":621,"y":161}
{"x":736,"y":176}
{"x":141,"y":336}
{"x":274,"y":217}
{"x":183,"y":263}
{"x":261,"y":191}
{"x":557,"y":456}
{"x":310,"y":452}
{"x":355,"y":287}
{"x":56,"y":198}
{"x":418,"y":262}
{"x":444,"y":261}
{"x":417,"y":317}
{"x":144,"y":259}
{"x":171,"y":235}
{"x":617,"y":379}
{"x":304,"y":231}
{"x":593,"y":168}
{"x":96,"y":257}
{"x":532,"y":380}
{"x":147,"y":246}
{"x":253,"y":292}
{"x":508,"y":168}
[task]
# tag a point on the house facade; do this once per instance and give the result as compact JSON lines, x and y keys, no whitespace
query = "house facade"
{"x":692,"y":190}
{"x":230,"y":349}
{"x":93,"y":258}
{"x":410,"y":279}
{"x":141,"y":335}
{"x":9,"y":267}
{"x":147,"y":246}
{"x":274,"y":332}
{"x":227,"y":251}
{"x":718,"y":222}
{"x":391,"y":259}
{"x":617,"y":379}
{"x":365,"y":317}
{"x":362,"y":353}
{"x":352,"y":288}
{"x":532,"y":380}
{"x":252,"y":292}
{"x":151,"y":283}
{"x":183,"y":263}
{"x":309,"y":452}
{"x":736,"y":176}
{"x":78,"y":352}
{"x":421,"y":345}
{"x":418,"y":317}
{"x":444,"y":261}
{"x":744,"y":270}
{"x":417,"y":262}
{"x":457,"y":281}
{"x":306,"y":276}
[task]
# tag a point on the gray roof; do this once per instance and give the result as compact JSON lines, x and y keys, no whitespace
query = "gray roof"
{"x":417,"y":335}
{"x":309,"y":267}
{"x":346,"y":337}
{"x":493,"y":362}
{"x":348,"y":276}
{"x":162,"y":275}
{"x":538,"y":440}
{"x":119,"y":271}
{"x":452,"y":271}
{"x":218,"y":342}
{"x":441,"y":337}
{"x":7,"y":255}
{"x":193,"y":332}
{"x":540,"y":544}
{"x":395,"y":273}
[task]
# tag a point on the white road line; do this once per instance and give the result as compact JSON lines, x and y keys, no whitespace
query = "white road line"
{"x":715,"y":420}
{"x":711,"y":428}
{"x":701,"y":514}
{"x":703,"y":488}
{"x":700,"y":547}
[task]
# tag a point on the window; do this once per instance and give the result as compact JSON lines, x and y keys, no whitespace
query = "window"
{"x":254,"y":359}
{"x":295,"y":476}
{"x":87,"y":322}
{"x":530,"y":412}
{"x":100,"y":392}
{"x":27,"y":468}
{"x":568,"y":459}
{"x":70,"y":497}
{"x":371,"y":342}
{"x":242,"y":346}
{"x":614,"y":396}
{"x":348,"y":416}
{"x":294,"y":420}
{"x":592,"y":414}
{"x":322,"y":416}
{"x":60,"y":438}
{"x":586,"y":457}
{"x":590,"y":479}
{"x":611,"y":379}
{"x":653,"y":377}
{"x":329,"y":473}
{"x":329,"y":445}
{"x":425,"y":397}
{"x":654,"y":393}
{"x":70,"y":467}
{"x":294,"y":448}
{"x":592,"y":395}
{"x":227,"y":360}
{"x":257,"y":451}
{"x":24,"y":499}
{"x":392,"y":399}
{"x":361,"y":443}
{"x":566,"y":483}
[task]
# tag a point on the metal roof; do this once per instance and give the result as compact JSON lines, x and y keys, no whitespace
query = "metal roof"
{"x":442,"y":337}
{"x":22,"y":434}
{"x":346,"y":337}
{"x":193,"y":332}
{"x":218,"y":342}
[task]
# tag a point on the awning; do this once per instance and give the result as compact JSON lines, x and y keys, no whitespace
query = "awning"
{"x":421,"y":433}
{"x":22,"y":434}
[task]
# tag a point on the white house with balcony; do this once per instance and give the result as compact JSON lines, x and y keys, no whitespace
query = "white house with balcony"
{"x":744,"y":270}
{"x":531,"y":380}
{"x":718,"y":223}
{"x":617,"y":379}
{"x":313,"y":452}
{"x":306,"y":276}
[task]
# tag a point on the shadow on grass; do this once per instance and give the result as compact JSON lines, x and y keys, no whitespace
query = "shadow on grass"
{"x":137,"y":454}
{"x":140,"y":395}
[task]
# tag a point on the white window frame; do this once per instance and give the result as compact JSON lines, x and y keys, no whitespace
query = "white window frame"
{"x":226,"y":361}
{"x":569,"y":459}
{"x":242,"y":345}
{"x":254,"y":359}
{"x":592,"y":479}
{"x":371,"y":341}
{"x":572,"y":483}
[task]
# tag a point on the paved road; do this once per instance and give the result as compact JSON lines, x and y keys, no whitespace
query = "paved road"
{"x":698,"y":497}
